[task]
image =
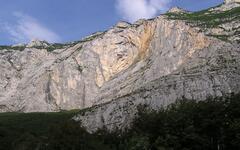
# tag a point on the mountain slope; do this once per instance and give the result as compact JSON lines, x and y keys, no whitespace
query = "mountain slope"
{"x":184,"y":62}
{"x":152,"y":62}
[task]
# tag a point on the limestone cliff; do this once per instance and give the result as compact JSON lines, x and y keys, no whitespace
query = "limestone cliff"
{"x":152,"y":62}
{"x":184,"y":61}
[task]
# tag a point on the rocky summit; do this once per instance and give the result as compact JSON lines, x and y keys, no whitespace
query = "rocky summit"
{"x":186,"y":55}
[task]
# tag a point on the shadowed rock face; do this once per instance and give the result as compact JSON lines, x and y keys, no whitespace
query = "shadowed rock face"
{"x":152,"y":62}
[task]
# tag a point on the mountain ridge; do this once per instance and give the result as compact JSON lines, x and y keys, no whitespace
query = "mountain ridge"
{"x":150,"y":62}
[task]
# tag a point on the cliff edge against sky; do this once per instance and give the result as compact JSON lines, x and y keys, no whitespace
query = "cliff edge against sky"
{"x":192,"y":55}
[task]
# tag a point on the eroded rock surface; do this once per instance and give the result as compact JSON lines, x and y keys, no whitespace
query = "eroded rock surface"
{"x":182,"y":63}
{"x":231,"y":1}
{"x":152,"y":62}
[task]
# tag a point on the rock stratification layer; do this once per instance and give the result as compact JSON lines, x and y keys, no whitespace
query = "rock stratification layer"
{"x":182,"y":63}
{"x":151,"y":62}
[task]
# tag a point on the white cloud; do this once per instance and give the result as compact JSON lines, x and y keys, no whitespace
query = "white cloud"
{"x":132,"y":10}
{"x":27,"y":28}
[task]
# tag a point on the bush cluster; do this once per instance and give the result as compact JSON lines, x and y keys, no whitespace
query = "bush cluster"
{"x":213,"y":124}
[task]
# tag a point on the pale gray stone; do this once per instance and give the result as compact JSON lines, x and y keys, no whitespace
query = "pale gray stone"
{"x":151,"y":62}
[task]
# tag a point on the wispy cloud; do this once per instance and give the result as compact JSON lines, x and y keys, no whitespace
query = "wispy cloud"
{"x":132,"y":10}
{"x":27,"y":28}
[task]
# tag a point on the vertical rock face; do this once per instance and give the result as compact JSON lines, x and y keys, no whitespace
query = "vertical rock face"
{"x":36,"y":80}
{"x":152,"y":62}
{"x":182,"y":62}
{"x":71,"y":77}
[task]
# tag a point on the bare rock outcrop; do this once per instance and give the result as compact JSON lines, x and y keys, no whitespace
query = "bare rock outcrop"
{"x":69,"y":77}
{"x":181,"y":63}
{"x":177,"y":10}
{"x":37,"y":43}
{"x":228,"y":5}
{"x":231,"y":1}
{"x":151,"y":62}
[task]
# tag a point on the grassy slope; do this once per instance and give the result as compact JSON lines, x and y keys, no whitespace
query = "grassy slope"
{"x":206,"y":19}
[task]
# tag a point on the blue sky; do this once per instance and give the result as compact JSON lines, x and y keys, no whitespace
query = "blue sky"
{"x":70,"y":20}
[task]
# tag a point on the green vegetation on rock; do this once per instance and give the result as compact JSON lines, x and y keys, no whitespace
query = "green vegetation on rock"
{"x":208,"y":19}
{"x":4,"y":47}
{"x":54,"y":46}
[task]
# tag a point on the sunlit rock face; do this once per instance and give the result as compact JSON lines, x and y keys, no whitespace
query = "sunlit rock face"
{"x":231,"y":1}
{"x":177,"y":10}
{"x":181,"y":62}
{"x":70,"y":77}
{"x":151,"y":62}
